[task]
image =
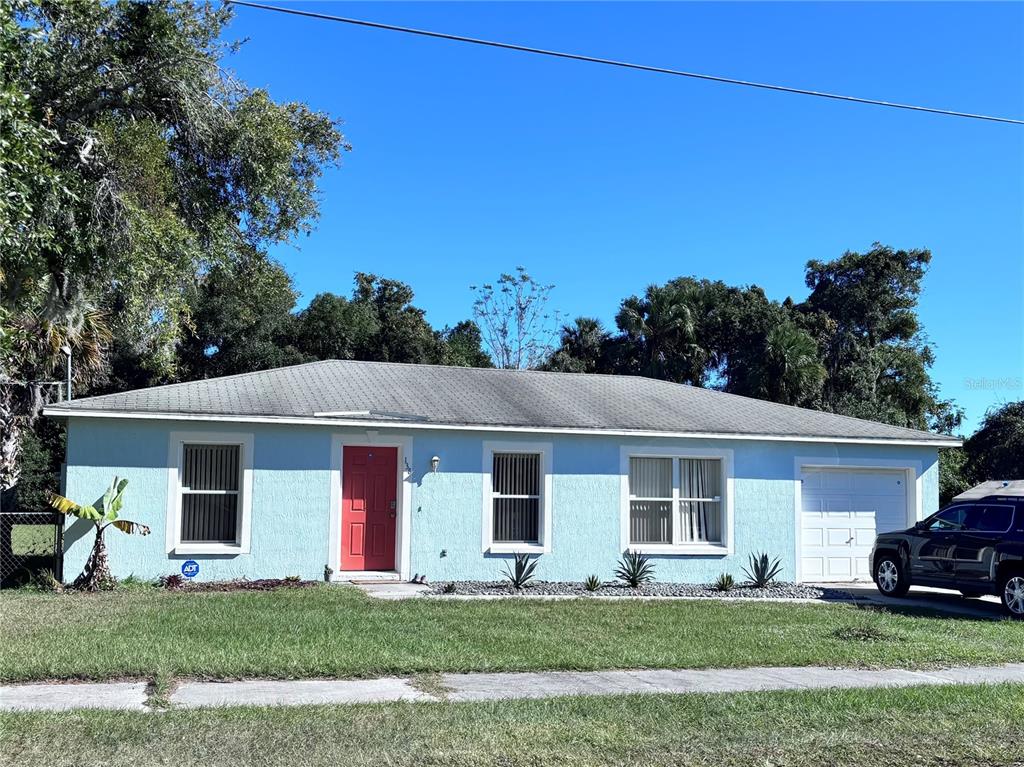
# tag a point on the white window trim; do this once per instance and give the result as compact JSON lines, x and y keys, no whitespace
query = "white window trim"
{"x":544,"y":528}
{"x":678,"y":547}
{"x":175,"y":450}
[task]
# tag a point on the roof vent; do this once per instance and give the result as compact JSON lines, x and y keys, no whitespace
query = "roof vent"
{"x":382,"y":414}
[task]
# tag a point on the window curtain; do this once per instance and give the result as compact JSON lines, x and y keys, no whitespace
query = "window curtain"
{"x":650,"y":506}
{"x":700,"y":516}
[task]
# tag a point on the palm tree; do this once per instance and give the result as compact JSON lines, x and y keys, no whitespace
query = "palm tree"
{"x":664,"y":323}
{"x":581,"y":348}
{"x":103,"y":513}
{"x":791,"y":371}
{"x":71,"y":321}
{"x":34,"y":336}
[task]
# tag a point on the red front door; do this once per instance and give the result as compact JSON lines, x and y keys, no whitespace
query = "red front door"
{"x":368,"y":508}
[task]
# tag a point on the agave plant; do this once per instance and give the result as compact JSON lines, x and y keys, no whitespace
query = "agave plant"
{"x":635,"y":569}
{"x":762,"y":571}
{"x":522,"y":573}
{"x":103,"y":513}
{"x":725,"y":582}
{"x":592,"y":583}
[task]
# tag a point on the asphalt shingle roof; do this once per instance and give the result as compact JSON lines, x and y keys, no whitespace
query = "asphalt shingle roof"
{"x":455,"y":396}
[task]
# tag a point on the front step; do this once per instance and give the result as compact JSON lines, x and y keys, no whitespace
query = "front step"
{"x":368,"y":576}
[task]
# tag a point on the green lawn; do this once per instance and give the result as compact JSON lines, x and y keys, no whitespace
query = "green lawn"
{"x":32,"y":540}
{"x":916,"y":726}
{"x":339,"y":632}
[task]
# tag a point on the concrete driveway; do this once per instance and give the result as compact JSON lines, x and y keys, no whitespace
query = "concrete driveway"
{"x":923,"y":598}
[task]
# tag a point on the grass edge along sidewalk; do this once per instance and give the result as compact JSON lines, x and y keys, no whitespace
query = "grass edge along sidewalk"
{"x":974,"y":724}
{"x":480,"y":687}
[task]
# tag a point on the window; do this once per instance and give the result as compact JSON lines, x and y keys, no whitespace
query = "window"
{"x":209,"y":493}
{"x":210,"y":483}
{"x":677,"y":502}
{"x":650,"y":500}
{"x":988,"y":519}
{"x":515,"y":494}
{"x":516,"y":497}
{"x":700,"y":500}
{"x":947,"y":520}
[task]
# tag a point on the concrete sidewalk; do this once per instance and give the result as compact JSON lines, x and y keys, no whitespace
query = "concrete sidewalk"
{"x":489,"y":687}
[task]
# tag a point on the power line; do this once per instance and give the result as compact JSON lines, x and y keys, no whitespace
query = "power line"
{"x":622,"y":64}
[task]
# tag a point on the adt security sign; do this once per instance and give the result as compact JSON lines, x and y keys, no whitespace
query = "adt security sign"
{"x":190,"y":568}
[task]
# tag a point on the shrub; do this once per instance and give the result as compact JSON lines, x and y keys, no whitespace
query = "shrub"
{"x":448,"y":588}
{"x":592,"y":583}
{"x":522,"y":573}
{"x":762,"y":571}
{"x":172,"y":582}
{"x":292,"y":578}
{"x":44,"y":580}
{"x":635,"y":569}
{"x":134,"y":582}
{"x":725,"y":582}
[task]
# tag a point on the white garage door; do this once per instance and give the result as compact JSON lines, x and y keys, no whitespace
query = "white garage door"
{"x":841,"y":511}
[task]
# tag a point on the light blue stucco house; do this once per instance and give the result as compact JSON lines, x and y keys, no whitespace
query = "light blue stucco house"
{"x":443,"y":472}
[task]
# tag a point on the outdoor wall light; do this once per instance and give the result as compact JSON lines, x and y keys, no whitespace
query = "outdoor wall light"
{"x":434,"y":463}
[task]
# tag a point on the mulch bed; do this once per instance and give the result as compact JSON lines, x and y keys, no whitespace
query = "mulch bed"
{"x":241,"y":584}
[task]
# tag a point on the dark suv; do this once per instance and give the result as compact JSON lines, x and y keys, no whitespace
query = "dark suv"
{"x":976,"y":547}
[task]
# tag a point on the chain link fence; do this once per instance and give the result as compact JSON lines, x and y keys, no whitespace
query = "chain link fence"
{"x":31,"y":545}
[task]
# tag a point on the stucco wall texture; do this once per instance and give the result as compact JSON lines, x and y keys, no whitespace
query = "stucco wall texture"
{"x":292,"y":500}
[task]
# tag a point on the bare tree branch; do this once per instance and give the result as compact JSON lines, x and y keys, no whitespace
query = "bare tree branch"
{"x":518,"y":330}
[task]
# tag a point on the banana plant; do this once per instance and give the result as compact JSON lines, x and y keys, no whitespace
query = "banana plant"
{"x":103,"y":513}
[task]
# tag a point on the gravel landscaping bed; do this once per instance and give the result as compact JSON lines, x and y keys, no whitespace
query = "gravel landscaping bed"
{"x":615,"y":588}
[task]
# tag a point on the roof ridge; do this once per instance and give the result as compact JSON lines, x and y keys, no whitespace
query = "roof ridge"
{"x":495,"y":369}
{"x":619,"y":376}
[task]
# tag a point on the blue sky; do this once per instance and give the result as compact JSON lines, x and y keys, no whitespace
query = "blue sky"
{"x":468,"y":161}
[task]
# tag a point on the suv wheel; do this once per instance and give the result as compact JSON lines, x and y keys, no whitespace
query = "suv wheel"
{"x":890,"y":577}
{"x":1012,"y":595}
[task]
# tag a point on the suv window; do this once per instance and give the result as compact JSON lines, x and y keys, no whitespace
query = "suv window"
{"x":988,"y":518}
{"x":948,"y":519}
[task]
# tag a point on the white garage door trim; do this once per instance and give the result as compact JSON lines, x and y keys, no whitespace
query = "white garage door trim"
{"x":912,"y":469}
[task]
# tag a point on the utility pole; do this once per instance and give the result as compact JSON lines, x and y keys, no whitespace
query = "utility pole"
{"x":66,"y":348}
